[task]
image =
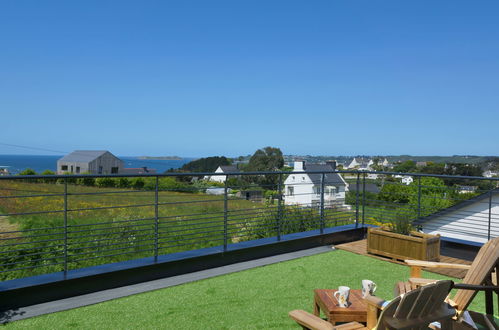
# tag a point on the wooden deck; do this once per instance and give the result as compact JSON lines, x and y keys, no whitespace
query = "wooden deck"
{"x":360,"y":247}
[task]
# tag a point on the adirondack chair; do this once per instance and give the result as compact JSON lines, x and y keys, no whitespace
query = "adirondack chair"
{"x":414,"y":310}
{"x":480,"y":273}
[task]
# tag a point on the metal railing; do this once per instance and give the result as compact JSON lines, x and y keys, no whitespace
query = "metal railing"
{"x":63,"y":222}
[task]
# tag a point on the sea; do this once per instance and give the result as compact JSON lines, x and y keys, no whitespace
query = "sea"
{"x":40,"y":163}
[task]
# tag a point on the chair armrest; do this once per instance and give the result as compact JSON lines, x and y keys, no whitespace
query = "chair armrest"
{"x":310,"y":321}
{"x":432,"y":264}
{"x":374,"y":301}
{"x":416,"y":282}
{"x":374,"y":308}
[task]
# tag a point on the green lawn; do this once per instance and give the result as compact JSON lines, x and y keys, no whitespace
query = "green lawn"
{"x":259,"y":298}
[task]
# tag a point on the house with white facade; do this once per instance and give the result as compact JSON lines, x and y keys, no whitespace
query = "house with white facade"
{"x":467,"y":220}
{"x":384,"y":163}
{"x":304,"y":187}
{"x":490,"y":174}
{"x":220,"y":171}
{"x":405,"y":179}
{"x":361,"y":164}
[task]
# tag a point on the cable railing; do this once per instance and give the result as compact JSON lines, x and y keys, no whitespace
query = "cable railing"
{"x":59,"y":223}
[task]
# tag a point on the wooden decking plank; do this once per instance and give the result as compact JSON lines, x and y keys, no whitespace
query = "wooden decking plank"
{"x":360,"y":247}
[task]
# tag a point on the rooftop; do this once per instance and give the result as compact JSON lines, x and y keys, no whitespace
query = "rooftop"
{"x":259,"y":297}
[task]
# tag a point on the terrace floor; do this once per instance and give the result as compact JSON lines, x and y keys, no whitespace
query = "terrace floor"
{"x":360,"y":247}
{"x":255,"y":296}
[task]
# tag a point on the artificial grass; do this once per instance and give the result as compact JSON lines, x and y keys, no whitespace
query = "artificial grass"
{"x":259,"y":298}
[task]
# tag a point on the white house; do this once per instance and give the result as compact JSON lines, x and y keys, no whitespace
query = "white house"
{"x":467,"y":220}
{"x":221,"y":170}
{"x":362,"y":164}
{"x":304,"y":188}
{"x":490,"y":174}
{"x":384,"y":163}
{"x":407,"y":179}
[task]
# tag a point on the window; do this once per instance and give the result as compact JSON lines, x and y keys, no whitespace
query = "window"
{"x":303,"y":178}
{"x":291,"y":191}
{"x":71,"y":168}
{"x":64,"y":167}
{"x":77,"y":169}
{"x":100,"y":169}
{"x":317,"y":190}
{"x":114,"y":170}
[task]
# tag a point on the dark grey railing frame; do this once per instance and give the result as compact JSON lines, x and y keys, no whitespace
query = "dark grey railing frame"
{"x":280,"y":186}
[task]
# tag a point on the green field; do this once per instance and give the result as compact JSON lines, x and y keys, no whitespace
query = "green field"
{"x":116,"y":224}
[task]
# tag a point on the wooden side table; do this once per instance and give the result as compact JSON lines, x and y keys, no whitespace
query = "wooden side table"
{"x":324,"y":300}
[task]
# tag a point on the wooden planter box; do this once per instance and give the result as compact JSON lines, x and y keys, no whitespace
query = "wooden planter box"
{"x":417,"y":246}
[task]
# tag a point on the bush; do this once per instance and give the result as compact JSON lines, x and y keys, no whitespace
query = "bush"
{"x":88,"y":181}
{"x":294,"y":219}
{"x":49,"y":172}
{"x":123,"y":183}
{"x":105,"y":182}
{"x":28,"y":171}
{"x":68,"y":180}
{"x":137,"y":183}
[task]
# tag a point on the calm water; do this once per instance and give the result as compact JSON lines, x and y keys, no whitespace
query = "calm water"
{"x":17,"y":163}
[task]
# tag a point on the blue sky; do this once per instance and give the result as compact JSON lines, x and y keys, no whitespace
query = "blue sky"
{"x":201,"y":78}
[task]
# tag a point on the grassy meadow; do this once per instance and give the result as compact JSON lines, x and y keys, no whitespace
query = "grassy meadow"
{"x":119,"y":223}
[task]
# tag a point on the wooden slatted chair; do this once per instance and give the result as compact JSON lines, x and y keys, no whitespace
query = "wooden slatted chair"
{"x":414,"y":310}
{"x":480,"y":273}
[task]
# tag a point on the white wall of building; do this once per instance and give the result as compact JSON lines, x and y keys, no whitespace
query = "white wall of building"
{"x":305,"y":193}
{"x":217,"y":178}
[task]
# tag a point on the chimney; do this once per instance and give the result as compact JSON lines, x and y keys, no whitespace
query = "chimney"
{"x":331,"y":163}
{"x":299,"y":165}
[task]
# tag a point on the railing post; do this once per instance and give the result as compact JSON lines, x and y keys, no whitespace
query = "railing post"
{"x":65,"y":227}
{"x":322,"y":224}
{"x":156,"y":220}
{"x":279,"y":207}
{"x":363,"y":198}
{"x":226,"y":200}
{"x":357,"y":201}
{"x":419,"y":197}
{"x":490,"y":214}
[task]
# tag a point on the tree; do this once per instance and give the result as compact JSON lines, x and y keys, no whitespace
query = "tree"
{"x":405,"y":167}
{"x":266,"y":159}
{"x":433,"y":168}
{"x":395,"y":193}
{"x":434,"y":195}
{"x":208,"y":164}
